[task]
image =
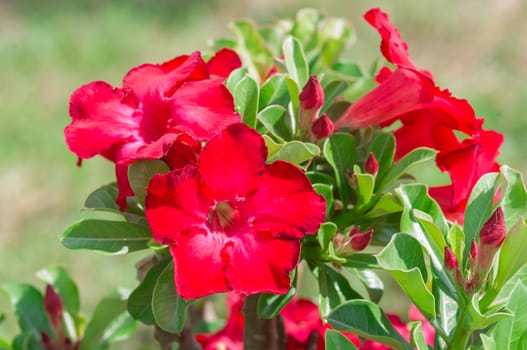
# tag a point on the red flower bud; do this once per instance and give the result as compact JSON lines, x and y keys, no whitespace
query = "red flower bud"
{"x":372,"y":165}
{"x":322,"y":127}
{"x":473,"y":253}
{"x":312,"y":95}
{"x":494,"y":231}
{"x":53,"y":305}
{"x":450,"y":259}
{"x":359,"y":241}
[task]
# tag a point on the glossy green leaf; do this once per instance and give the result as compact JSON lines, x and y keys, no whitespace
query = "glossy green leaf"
{"x":383,"y":147}
{"x":339,"y":150}
{"x":331,"y":91}
{"x":488,"y":342}
{"x":27,"y":341}
{"x":372,"y":282}
{"x":295,"y":61}
{"x":334,"y":340}
{"x":28,"y":305}
{"x":417,"y":338}
{"x":141,"y":171}
{"x":387,"y":204}
{"x":479,"y":208}
{"x":320,"y":178}
{"x":334,"y":289}
{"x":168,"y":307}
{"x":364,"y":190}
{"x":478,"y":320}
{"x":109,"y":322}
{"x":274,"y":91}
{"x":235,"y":77}
{"x":514,"y":196}
{"x":270,"y":305}
{"x":103,"y":198}
{"x":415,"y":157}
{"x":456,"y":240}
{"x":114,"y":237}
{"x":294,"y":92}
{"x":140,"y":300}
{"x":306,"y":26}
{"x":325,"y":234}
{"x":512,"y":254}
{"x":296,"y":152}
{"x":366,"y":319}
{"x":337,"y":34}
{"x":350,"y":70}
{"x":327,"y":192}
{"x":409,"y":270}
{"x":276,"y":121}
{"x":246,"y":95}
{"x":64,"y":286}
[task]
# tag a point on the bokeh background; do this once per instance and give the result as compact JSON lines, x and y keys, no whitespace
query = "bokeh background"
{"x":476,"y":48}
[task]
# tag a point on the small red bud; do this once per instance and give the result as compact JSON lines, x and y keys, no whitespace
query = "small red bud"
{"x":312,"y":95}
{"x":494,"y":231}
{"x":322,"y":127}
{"x":473,"y":253}
{"x":53,"y":305}
{"x":359,"y":241}
{"x":450,"y":259}
{"x":372,"y":165}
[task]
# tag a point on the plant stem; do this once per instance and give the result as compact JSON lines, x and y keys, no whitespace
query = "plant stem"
{"x":461,"y":334}
{"x":259,"y":333}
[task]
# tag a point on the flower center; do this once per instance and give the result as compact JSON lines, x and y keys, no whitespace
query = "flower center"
{"x":222,"y":215}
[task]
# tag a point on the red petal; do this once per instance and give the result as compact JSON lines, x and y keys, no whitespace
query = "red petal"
{"x":232,"y":163}
{"x":199,"y":265}
{"x":285,"y":203}
{"x":261,"y":263}
{"x":100,"y":120}
{"x":301,"y":317}
{"x":123,"y":185}
{"x":166,"y":77}
{"x":202,"y":108}
{"x":224,"y":62}
{"x":176,"y":202}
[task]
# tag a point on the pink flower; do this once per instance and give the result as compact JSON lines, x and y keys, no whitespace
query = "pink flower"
{"x":156,"y":105}
{"x":301,"y":318}
{"x":429,"y":116}
{"x":232,"y":217}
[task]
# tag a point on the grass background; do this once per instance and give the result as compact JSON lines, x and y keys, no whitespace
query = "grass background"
{"x":478,"y":49}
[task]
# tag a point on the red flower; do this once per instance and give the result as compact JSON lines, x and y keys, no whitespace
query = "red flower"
{"x":156,"y":105}
{"x":430,"y":117}
{"x":232,"y":217}
{"x":301,"y":318}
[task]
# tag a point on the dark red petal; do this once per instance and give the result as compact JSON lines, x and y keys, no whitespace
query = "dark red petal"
{"x":285,"y":203}
{"x":164,"y":78}
{"x":100,"y":120}
{"x":312,"y":95}
{"x":199,"y":264}
{"x":224,"y":62}
{"x":494,"y":230}
{"x":261,"y":263}
{"x":322,"y":127}
{"x":176,"y":202}
{"x":123,"y":185}
{"x":301,"y":317}
{"x":232,"y":163}
{"x":392,"y":46}
{"x":404,"y":91}
{"x":202,"y":108}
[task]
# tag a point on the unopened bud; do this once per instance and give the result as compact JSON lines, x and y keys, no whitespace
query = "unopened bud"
{"x":359,"y":241}
{"x":372,"y":165}
{"x":473,"y":253}
{"x":53,"y":305}
{"x":450,"y":259}
{"x":494,"y":231}
{"x":311,"y":99}
{"x":322,"y":127}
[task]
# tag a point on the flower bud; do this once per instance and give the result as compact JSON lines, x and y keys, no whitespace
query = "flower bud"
{"x":322,"y":127}
{"x":494,"y":231}
{"x":473,"y":253}
{"x":311,"y":99}
{"x":450,"y":259}
{"x":372,"y":165}
{"x":360,"y":240}
{"x":53,"y":305}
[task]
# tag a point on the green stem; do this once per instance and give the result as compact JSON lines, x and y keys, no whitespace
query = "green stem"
{"x":461,"y":334}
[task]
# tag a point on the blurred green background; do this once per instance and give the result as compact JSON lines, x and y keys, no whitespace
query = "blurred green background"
{"x":478,"y":49}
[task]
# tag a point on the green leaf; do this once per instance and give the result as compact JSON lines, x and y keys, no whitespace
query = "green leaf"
{"x":387,"y":204}
{"x":456,"y":240}
{"x":168,"y":307}
{"x":334,"y":289}
{"x":295,"y":61}
{"x":114,"y":237}
{"x":477,"y":320}
{"x":372,"y":282}
{"x":141,"y":171}
{"x":514,"y":202}
{"x":305,"y":27}
{"x":246,"y":94}
{"x":337,"y":34}
{"x":339,"y":150}
{"x":365,"y":185}
{"x":235,"y":77}
{"x":366,"y":319}
{"x":103,"y":198}
{"x":327,"y":192}
{"x":415,"y":157}
{"x":270,"y":305}
{"x":383,"y":147}
{"x":275,"y":120}
{"x":110,"y":322}
{"x":348,"y":70}
{"x":417,"y":338}
{"x":294,"y":92}
{"x":512,"y":254}
{"x":325,"y":234}
{"x":64,"y":286}
{"x":488,"y":342}
{"x":27,"y":341}
{"x":409,"y":270}
{"x":28,"y":304}
{"x":296,"y":152}
{"x":334,"y":340}
{"x":479,"y":208}
{"x":140,"y":300}
{"x":274,"y":91}
{"x":331,"y":91}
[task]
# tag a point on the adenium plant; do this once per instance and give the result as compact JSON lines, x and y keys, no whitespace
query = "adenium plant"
{"x":273,"y":169}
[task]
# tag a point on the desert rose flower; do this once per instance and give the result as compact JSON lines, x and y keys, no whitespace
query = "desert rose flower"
{"x":233,"y":217}
{"x":157,"y":105}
